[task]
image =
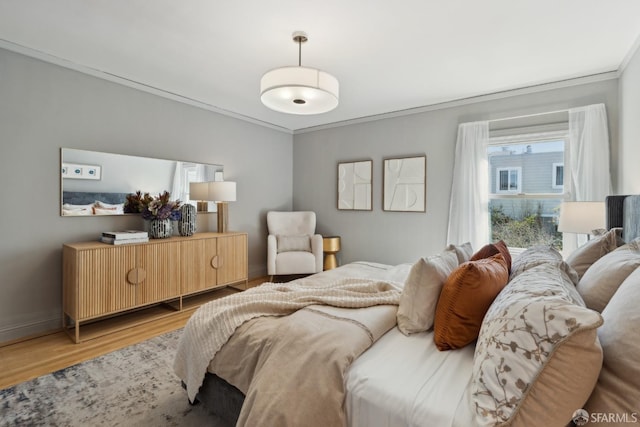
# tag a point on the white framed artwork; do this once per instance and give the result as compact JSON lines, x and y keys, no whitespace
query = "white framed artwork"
{"x":405,"y":184}
{"x":78,"y":171}
{"x":354,"y":185}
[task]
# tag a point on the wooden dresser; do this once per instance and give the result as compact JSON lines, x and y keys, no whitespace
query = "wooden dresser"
{"x":101,"y":280}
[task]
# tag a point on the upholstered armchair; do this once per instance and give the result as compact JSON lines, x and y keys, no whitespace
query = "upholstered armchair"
{"x":292,"y":245}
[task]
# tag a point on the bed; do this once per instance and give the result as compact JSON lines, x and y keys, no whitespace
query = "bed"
{"x":389,"y":367}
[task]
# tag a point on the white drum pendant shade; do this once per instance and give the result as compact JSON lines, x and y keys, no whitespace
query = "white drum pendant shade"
{"x":299,"y":90}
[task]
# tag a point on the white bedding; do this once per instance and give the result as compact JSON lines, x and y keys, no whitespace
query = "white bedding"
{"x":406,"y":381}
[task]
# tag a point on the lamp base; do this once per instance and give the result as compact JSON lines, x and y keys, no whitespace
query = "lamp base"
{"x":223,"y":217}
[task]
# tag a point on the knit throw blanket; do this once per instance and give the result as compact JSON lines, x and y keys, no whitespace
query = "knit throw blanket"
{"x":214,"y":323}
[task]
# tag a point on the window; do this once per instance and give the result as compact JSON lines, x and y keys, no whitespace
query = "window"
{"x":523,"y":202}
{"x":557,"y":175}
{"x":508,"y":180}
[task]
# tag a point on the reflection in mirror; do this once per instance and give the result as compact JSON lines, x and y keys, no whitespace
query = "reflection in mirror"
{"x":95,"y":183}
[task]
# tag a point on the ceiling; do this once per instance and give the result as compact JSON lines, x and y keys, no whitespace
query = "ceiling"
{"x":388,"y":55}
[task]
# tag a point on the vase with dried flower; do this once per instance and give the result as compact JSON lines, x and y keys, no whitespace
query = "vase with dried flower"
{"x":159,"y":211}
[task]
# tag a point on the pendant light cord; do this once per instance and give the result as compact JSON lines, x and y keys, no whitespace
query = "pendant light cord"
{"x":300,"y":52}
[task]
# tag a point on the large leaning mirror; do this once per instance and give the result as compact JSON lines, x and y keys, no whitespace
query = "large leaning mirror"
{"x":96,"y":183}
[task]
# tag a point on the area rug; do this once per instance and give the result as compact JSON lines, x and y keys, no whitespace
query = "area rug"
{"x":134,"y":386}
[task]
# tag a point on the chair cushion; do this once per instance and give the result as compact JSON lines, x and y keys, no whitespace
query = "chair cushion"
{"x":295,"y":263}
{"x":294,"y":243}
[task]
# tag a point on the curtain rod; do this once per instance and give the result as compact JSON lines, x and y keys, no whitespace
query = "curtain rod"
{"x":566,"y":110}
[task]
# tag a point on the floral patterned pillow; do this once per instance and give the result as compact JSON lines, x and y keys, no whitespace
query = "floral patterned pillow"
{"x":538,"y":356}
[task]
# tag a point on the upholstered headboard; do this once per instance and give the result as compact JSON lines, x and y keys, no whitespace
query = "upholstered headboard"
{"x":84,"y":198}
{"x":624,"y":211}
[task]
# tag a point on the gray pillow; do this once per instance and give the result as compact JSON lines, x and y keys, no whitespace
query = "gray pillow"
{"x":618,"y":387}
{"x":583,"y":257}
{"x":605,"y":276}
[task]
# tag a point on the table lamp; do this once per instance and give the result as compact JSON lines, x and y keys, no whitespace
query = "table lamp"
{"x":581,"y":217}
{"x":199,"y":191}
{"x":222,"y":192}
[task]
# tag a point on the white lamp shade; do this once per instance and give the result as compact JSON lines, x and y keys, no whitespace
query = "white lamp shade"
{"x":223,"y":191}
{"x":581,"y":217}
{"x":198,"y":191}
{"x":299,"y":90}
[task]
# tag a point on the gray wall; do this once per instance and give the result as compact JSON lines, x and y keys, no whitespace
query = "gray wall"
{"x":44,"y":107}
{"x":629,"y":172}
{"x":393,"y":237}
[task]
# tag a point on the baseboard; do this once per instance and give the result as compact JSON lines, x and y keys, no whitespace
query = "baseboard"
{"x":29,"y":329}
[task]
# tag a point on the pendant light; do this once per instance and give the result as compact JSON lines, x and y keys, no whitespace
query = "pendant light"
{"x":299,"y":90}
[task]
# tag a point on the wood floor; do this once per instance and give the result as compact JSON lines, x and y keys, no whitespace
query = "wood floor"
{"x":28,"y":359}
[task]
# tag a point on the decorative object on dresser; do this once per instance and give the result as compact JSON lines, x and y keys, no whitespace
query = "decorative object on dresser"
{"x":222,"y":192}
{"x":354,"y":185}
{"x":404,"y":184}
{"x":330,"y":246}
{"x":159,"y":211}
{"x":101,"y":280}
{"x":187,"y":221}
{"x":124,"y":237}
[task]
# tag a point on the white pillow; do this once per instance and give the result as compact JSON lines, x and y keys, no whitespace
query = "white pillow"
{"x":69,"y":206}
{"x":77,"y":212}
{"x":421,"y":291}
{"x":119,"y":207}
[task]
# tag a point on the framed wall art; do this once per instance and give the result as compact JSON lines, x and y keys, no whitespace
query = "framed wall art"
{"x":354,"y":185}
{"x":77,"y":171}
{"x":405,"y":184}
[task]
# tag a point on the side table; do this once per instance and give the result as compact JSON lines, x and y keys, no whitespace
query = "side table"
{"x":330,"y":246}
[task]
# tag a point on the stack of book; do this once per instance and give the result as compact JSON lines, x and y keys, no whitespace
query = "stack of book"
{"x":124,"y":237}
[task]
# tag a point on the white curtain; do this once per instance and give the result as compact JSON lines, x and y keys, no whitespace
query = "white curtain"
{"x":588,"y":160}
{"x":469,"y":208}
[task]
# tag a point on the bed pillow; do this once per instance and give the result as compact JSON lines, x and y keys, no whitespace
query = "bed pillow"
{"x":618,"y":387}
{"x":77,"y":212}
{"x":603,"y":278}
{"x":491,"y":249}
{"x":466,"y":295}
{"x":106,"y":211}
{"x":463,"y":251}
{"x":301,"y":243}
{"x":583,"y":257}
{"x":538,"y":355}
{"x":538,"y":255}
{"x":421,"y":291}
{"x":118,"y":207}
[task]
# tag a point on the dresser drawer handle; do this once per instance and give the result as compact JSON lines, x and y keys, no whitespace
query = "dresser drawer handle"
{"x":136,"y":275}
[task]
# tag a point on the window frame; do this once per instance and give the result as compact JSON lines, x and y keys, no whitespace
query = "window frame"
{"x":509,"y":169}
{"x":554,"y":175}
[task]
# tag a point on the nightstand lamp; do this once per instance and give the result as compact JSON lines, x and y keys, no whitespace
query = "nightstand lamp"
{"x":330,"y":246}
{"x":222,"y":192}
{"x":581,"y":217}
{"x":199,"y":191}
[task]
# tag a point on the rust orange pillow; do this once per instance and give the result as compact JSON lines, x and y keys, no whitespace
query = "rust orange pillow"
{"x":465,"y":298}
{"x":500,"y":247}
